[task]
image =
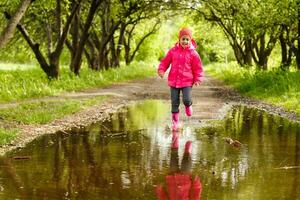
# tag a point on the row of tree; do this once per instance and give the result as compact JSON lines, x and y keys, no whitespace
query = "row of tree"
{"x":98,"y":29}
{"x":103,"y":30}
{"x":254,"y":27}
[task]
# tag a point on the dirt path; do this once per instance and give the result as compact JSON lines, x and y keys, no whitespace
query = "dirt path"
{"x":211,"y":100}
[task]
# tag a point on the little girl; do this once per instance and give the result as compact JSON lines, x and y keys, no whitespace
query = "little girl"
{"x":186,"y":71}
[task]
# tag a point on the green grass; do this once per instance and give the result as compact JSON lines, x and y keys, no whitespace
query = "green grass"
{"x":15,"y":66}
{"x":6,"y":136}
{"x":275,"y":86}
{"x":23,"y":84}
{"x":44,"y":112}
{"x":40,"y":113}
{"x":27,"y":82}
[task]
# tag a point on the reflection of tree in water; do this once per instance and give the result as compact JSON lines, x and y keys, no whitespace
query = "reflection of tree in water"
{"x":9,"y":172}
{"x":269,"y":142}
{"x":115,"y":158}
{"x":106,"y":160}
{"x":98,"y":169}
{"x":295,"y":186}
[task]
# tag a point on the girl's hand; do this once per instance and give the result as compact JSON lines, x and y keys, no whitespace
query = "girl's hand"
{"x":197,"y":83}
{"x":161,"y":74}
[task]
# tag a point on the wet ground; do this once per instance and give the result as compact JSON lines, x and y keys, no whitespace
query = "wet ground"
{"x":134,"y":155}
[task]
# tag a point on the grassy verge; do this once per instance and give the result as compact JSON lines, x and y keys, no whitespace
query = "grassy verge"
{"x":277,"y":87}
{"x":40,"y":113}
{"x":23,"y":84}
{"x":6,"y":136}
{"x":17,"y":85}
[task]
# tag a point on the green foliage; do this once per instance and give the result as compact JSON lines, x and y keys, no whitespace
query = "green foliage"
{"x":151,"y":48}
{"x":17,"y":85}
{"x":156,"y":46}
{"x":251,"y":24}
{"x":6,"y":136}
{"x":44,"y":112}
{"x":275,"y":86}
{"x":213,"y":46}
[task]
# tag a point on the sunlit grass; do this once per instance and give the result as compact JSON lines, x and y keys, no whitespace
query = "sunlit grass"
{"x":44,"y":112}
{"x":6,"y":136}
{"x":274,"y":86}
{"x":19,"y":66}
{"x":18,"y":85}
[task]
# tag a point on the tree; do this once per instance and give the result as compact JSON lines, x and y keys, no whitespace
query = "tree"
{"x":228,"y":15}
{"x":50,"y":67}
{"x":76,"y":60}
{"x":129,"y":53}
{"x":104,"y":44}
{"x":288,"y":33}
{"x":297,"y":49}
{"x":252,"y":27}
{"x":8,"y":32}
{"x":262,"y":27}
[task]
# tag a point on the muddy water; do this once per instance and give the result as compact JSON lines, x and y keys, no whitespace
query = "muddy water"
{"x":132,"y":155}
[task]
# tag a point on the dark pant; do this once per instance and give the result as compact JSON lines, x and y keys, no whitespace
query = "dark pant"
{"x":175,"y":97}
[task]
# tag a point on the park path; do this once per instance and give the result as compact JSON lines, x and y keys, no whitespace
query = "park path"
{"x":210,"y":101}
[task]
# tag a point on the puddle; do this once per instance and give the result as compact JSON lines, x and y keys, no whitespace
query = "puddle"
{"x":132,"y":156}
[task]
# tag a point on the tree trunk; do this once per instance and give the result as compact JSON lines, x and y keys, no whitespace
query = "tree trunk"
{"x":115,"y":62}
{"x":101,"y":57}
{"x":49,"y":38}
{"x":54,"y":56}
{"x":102,"y":48}
{"x":76,"y":62}
{"x":127,"y":55}
{"x":298,"y":49}
{"x":75,"y":35}
{"x":34,"y":46}
{"x":261,"y":51}
{"x":247,"y":54}
{"x":107,"y":63}
{"x":152,"y":31}
{"x":51,"y":69}
{"x":120,"y":42}
{"x":283,"y":46}
{"x":58,"y":18}
{"x":91,"y":55}
{"x":238,"y":54}
{"x":54,"y":65}
{"x":286,"y":54}
{"x":8,"y":32}
{"x":263,"y":62}
{"x":127,"y":44}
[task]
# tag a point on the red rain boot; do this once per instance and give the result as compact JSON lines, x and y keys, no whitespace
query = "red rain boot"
{"x":188,"y":147}
{"x":188,"y":111}
{"x":175,"y":121}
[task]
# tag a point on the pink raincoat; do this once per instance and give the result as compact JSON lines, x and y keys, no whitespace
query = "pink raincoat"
{"x":186,"y":66}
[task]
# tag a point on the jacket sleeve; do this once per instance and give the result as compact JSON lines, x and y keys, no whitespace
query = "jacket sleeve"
{"x":197,"y":68}
{"x":165,"y":62}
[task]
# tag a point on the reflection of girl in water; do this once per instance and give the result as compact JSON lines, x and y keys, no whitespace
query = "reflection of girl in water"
{"x":179,"y":183}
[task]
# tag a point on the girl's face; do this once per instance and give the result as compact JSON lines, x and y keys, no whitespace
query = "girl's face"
{"x":185,"y":41}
